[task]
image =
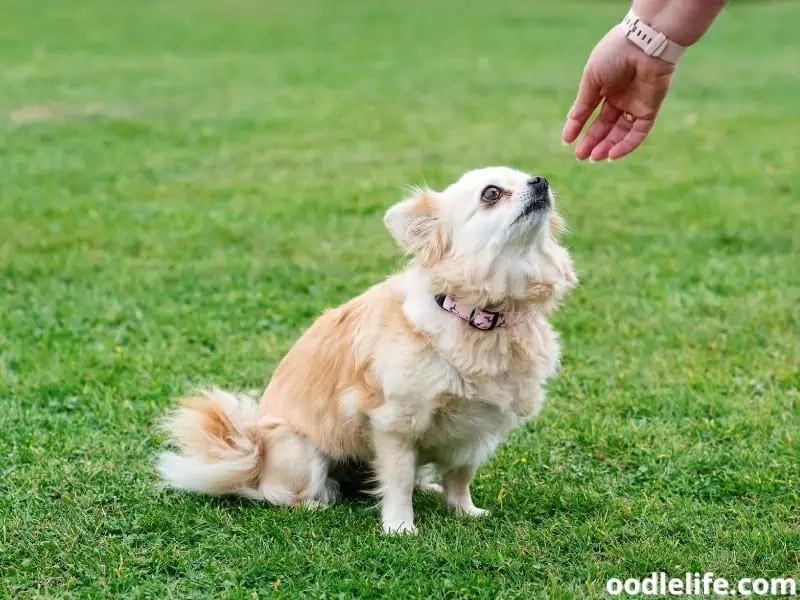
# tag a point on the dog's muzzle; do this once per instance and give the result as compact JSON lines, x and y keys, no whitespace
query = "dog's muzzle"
{"x":536,"y":197}
{"x":539,"y":186}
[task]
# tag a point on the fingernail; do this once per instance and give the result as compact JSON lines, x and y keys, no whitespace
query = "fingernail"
{"x":610,"y":159}
{"x":591,"y":160}
{"x":564,"y":143}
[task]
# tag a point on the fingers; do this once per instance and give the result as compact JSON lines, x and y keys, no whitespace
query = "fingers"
{"x":598,"y":131}
{"x":615,"y":135}
{"x":631,"y":141}
{"x":612,"y":140}
{"x":587,"y":100}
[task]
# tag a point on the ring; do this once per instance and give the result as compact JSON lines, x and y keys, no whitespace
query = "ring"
{"x":628,"y":117}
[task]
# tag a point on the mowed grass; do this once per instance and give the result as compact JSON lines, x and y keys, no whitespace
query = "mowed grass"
{"x":184,"y":185}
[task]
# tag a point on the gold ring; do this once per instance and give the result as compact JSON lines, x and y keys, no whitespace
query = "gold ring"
{"x":628,"y":117}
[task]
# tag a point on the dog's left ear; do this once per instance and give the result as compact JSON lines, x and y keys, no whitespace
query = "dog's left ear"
{"x":562,"y":259}
{"x":549,"y":293}
{"x":557,"y":226}
{"x":568,"y":277}
{"x":417,"y":227}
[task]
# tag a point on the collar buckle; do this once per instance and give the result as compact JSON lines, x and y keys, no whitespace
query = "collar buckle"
{"x":483,"y":319}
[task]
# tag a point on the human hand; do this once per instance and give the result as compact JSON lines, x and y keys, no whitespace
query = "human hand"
{"x":632,"y":87}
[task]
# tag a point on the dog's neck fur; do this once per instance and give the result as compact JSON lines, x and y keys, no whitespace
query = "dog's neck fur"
{"x":468,"y":350}
{"x":535,"y":285}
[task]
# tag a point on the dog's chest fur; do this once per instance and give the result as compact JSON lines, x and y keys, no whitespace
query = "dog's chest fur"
{"x":465,"y":430}
{"x":489,"y":383}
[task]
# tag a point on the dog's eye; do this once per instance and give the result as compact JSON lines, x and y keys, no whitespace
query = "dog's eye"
{"x":491,"y":194}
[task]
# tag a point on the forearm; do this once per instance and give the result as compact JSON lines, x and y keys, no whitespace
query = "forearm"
{"x":682,"y":21}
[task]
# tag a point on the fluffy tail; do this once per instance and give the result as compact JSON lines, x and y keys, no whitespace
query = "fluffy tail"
{"x":222,"y":448}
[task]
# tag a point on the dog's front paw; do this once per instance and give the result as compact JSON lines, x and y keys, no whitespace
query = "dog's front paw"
{"x":395,"y":527}
{"x":428,"y":487}
{"x":469,"y":510}
{"x":310,"y":504}
{"x":472,"y":511}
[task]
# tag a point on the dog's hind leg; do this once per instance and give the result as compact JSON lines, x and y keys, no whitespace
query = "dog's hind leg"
{"x":295,"y":471}
{"x":426,"y":479}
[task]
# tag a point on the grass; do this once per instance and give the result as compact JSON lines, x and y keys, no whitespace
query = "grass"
{"x":186,"y":184}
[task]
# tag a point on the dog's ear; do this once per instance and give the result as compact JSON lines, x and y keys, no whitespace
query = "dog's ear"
{"x":562,"y":259}
{"x":416,"y":225}
{"x":557,"y":225}
{"x":548,"y":294}
{"x":569,"y":278}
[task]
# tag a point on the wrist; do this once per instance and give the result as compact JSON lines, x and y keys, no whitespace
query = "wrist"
{"x":682,"y":21}
{"x":652,"y":42}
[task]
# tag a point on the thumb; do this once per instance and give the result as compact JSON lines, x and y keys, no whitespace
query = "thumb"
{"x":588,"y":99}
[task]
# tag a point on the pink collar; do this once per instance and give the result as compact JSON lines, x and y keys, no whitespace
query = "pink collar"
{"x":479,"y":319}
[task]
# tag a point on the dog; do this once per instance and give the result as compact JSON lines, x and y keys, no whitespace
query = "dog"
{"x":427,"y":371}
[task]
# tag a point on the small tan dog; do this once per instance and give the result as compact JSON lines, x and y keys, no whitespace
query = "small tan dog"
{"x":433,"y":366}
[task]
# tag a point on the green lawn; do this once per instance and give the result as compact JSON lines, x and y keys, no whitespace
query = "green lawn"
{"x":185,"y":184}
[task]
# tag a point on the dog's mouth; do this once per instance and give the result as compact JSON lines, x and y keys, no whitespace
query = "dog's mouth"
{"x":534,"y":205}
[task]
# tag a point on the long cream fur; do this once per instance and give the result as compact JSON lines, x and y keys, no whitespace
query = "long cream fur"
{"x":391,"y":378}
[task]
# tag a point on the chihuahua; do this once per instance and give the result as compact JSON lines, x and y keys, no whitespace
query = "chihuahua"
{"x":425,"y":372}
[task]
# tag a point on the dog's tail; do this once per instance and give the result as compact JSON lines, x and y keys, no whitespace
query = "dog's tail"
{"x":222,"y":447}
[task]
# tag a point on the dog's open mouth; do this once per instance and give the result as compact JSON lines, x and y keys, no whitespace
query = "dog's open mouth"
{"x":534,"y":205}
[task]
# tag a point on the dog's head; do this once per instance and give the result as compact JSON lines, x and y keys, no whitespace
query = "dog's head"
{"x":489,"y":238}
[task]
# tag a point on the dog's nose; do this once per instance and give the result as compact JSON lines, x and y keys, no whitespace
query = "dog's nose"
{"x":538,"y":183}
